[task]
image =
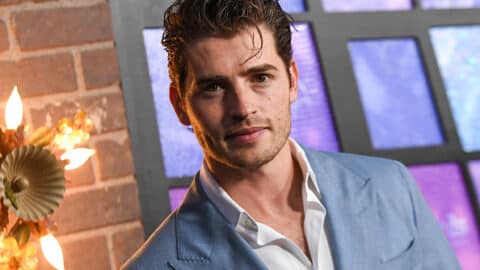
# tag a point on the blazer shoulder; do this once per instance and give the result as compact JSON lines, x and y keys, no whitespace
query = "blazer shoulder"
{"x":367,"y":166}
{"x":158,"y":249}
{"x":389,"y":177}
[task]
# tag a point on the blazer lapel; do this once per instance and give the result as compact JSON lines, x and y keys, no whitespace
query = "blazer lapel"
{"x":205,"y":240}
{"x":349,"y":201}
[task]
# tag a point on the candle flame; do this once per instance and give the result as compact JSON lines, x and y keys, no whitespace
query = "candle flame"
{"x":52,"y":251}
{"x":14,"y":110}
{"x":76,"y":157}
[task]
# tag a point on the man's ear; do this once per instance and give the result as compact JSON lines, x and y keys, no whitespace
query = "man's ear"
{"x":293,"y":73}
{"x":177,"y":104}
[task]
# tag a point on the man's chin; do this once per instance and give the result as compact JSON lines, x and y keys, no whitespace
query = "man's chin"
{"x":248,"y":160}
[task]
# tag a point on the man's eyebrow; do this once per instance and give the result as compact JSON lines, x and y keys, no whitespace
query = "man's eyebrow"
{"x":209,"y":79}
{"x":217,"y":78}
{"x":259,"y":69}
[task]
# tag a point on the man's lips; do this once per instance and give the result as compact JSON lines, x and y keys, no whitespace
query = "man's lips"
{"x":244,"y":133}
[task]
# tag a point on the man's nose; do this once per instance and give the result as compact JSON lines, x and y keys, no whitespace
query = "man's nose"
{"x":241,"y":101}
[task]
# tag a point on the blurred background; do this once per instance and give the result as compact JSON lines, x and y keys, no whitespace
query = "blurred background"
{"x":398,"y":79}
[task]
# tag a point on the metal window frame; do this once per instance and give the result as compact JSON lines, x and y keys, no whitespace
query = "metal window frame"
{"x":331,"y":33}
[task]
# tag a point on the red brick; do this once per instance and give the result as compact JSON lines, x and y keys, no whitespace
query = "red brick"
{"x":100,"y":68}
{"x":81,"y":176}
{"x":115,"y":159}
{"x":106,"y":111}
{"x":11,"y":2}
{"x":3,"y":36}
{"x":125,"y":243}
{"x":98,"y":208}
{"x":88,"y":253}
{"x":38,"y":76}
{"x":63,"y":26}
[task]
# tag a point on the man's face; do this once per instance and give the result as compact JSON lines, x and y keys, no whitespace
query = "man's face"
{"x":237,"y":98}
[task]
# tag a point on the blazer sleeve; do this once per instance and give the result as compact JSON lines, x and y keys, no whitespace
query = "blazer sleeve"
{"x":437,"y":253}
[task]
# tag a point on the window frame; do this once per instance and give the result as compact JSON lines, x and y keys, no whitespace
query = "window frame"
{"x":331,"y":33}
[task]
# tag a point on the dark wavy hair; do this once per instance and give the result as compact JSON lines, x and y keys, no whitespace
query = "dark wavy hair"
{"x":188,"y":20}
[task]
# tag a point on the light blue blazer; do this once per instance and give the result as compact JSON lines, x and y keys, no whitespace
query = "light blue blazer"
{"x":376,"y":219}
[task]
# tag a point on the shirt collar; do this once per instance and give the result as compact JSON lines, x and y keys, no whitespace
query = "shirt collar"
{"x":219,"y":197}
{"x":233,"y":212}
{"x":307,"y":172}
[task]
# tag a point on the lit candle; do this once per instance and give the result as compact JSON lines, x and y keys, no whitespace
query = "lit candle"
{"x":52,"y":251}
{"x":12,"y":137}
{"x":76,"y":157}
{"x":14,"y":110}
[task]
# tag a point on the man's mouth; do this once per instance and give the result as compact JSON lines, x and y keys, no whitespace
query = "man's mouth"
{"x":244,"y":135}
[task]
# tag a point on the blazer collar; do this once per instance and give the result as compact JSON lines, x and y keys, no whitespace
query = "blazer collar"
{"x":350,"y":200}
{"x":338,"y":182}
{"x":215,"y":241}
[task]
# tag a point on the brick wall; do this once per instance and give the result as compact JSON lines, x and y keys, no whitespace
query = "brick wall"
{"x":61,"y":55}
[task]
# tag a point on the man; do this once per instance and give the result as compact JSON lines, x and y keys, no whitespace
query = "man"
{"x":261,"y":201}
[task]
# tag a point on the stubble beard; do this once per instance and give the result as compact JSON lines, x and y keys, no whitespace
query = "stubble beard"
{"x":248,"y":157}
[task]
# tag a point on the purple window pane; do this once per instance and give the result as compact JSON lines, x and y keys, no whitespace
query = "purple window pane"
{"x":312,"y":123}
{"x":474,"y":167}
{"x":182,"y":155}
{"x":445,"y":4}
{"x":365,"y":5}
{"x":457,"y":49}
{"x":176,"y":196}
{"x":444,"y":190}
{"x":395,"y":95}
{"x":292,"y":6}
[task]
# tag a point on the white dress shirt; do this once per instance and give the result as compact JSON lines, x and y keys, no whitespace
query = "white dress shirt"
{"x":273,"y":248}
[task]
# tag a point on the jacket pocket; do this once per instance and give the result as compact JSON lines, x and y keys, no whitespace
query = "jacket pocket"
{"x":405,"y":258}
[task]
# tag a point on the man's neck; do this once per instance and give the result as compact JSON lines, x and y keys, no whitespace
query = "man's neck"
{"x":267,"y":191}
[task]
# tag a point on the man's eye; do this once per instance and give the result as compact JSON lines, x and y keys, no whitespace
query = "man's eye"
{"x":261,"y":78}
{"x":214,"y":87}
